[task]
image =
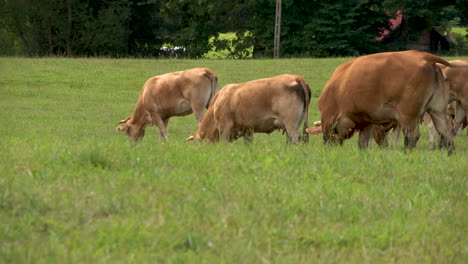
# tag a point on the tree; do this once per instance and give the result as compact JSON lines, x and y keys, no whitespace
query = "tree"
{"x":424,"y":14}
{"x":145,"y":26}
{"x":102,"y":28}
{"x":345,"y":28}
{"x":190,"y":24}
{"x":141,"y":27}
{"x":18,"y":19}
{"x":310,"y":28}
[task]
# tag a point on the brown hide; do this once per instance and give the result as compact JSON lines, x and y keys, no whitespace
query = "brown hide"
{"x":259,"y":106}
{"x":207,"y":129}
{"x":386,"y":89}
{"x":316,"y":129}
{"x":458,"y":103}
{"x":458,"y":86}
{"x":171,"y":94}
{"x":458,"y":100}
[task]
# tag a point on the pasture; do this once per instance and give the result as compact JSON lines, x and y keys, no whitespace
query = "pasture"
{"x":74,"y":190}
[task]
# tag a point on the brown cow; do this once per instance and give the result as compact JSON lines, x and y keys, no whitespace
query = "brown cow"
{"x":460,"y":119}
{"x":171,"y":94}
{"x":391,"y":89}
{"x":458,"y":86}
{"x":260,"y":106}
{"x":458,"y":100}
{"x":380,"y":132}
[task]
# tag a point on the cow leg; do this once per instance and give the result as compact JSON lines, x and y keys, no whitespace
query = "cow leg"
{"x":341,"y":130}
{"x":365,"y":136}
{"x":199,"y":102}
{"x":431,"y":129}
{"x":331,"y":138}
{"x":248,"y":137}
{"x":161,"y":124}
{"x":441,"y":124}
{"x":380,"y":134}
{"x":161,"y":135}
{"x":395,"y":135}
{"x":411,"y":132}
{"x":225,"y":132}
{"x":292,"y":134}
{"x":460,"y":117}
{"x":198,"y":112}
{"x":464,"y":123}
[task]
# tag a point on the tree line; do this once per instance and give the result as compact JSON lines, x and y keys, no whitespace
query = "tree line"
{"x":154,"y":28}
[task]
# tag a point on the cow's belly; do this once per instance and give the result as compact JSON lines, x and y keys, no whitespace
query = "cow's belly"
{"x":380,"y":114}
{"x":181,"y":109}
{"x":266,"y":125}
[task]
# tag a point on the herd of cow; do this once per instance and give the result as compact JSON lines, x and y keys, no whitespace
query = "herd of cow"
{"x":371,"y":94}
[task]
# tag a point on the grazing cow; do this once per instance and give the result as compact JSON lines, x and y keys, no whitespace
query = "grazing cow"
{"x":316,"y":129}
{"x":460,"y":119}
{"x":458,"y":100}
{"x":171,"y":94}
{"x":260,"y":106}
{"x":458,"y":86}
{"x":380,"y":132}
{"x":391,"y":89}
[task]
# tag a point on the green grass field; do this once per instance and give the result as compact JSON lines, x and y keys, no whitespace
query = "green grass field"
{"x":74,"y":190}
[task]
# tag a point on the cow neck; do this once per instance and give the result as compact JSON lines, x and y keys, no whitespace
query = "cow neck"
{"x":205,"y":125}
{"x":139,"y":115}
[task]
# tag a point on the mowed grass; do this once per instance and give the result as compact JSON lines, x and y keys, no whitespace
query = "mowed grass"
{"x":74,"y":190}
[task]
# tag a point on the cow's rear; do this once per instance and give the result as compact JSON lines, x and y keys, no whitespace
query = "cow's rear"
{"x":386,"y":89}
{"x":260,"y":106}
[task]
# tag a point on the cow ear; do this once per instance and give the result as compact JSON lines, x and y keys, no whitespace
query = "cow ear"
{"x":124,"y":120}
{"x":122,"y":128}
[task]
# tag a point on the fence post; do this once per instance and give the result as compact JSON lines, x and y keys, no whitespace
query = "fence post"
{"x":276,"y":47}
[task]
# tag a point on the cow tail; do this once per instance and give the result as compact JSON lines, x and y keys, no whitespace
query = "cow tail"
{"x":307,"y":93}
{"x":435,"y":59}
{"x":214,"y":84}
{"x":306,"y":116}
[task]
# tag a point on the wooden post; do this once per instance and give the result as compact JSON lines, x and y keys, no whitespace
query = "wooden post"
{"x":276,"y":47}
{"x":69,"y":28}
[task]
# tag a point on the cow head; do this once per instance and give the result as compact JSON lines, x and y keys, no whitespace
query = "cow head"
{"x":316,"y":129}
{"x":134,"y":131}
{"x":198,"y":136}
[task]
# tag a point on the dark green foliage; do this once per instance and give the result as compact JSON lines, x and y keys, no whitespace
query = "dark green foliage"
{"x":104,"y":31}
{"x":317,"y":28}
{"x":145,"y":37}
{"x":345,"y":28}
{"x":71,"y":27}
{"x":190,"y":24}
{"x":143,"y":27}
{"x":425,"y":14}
